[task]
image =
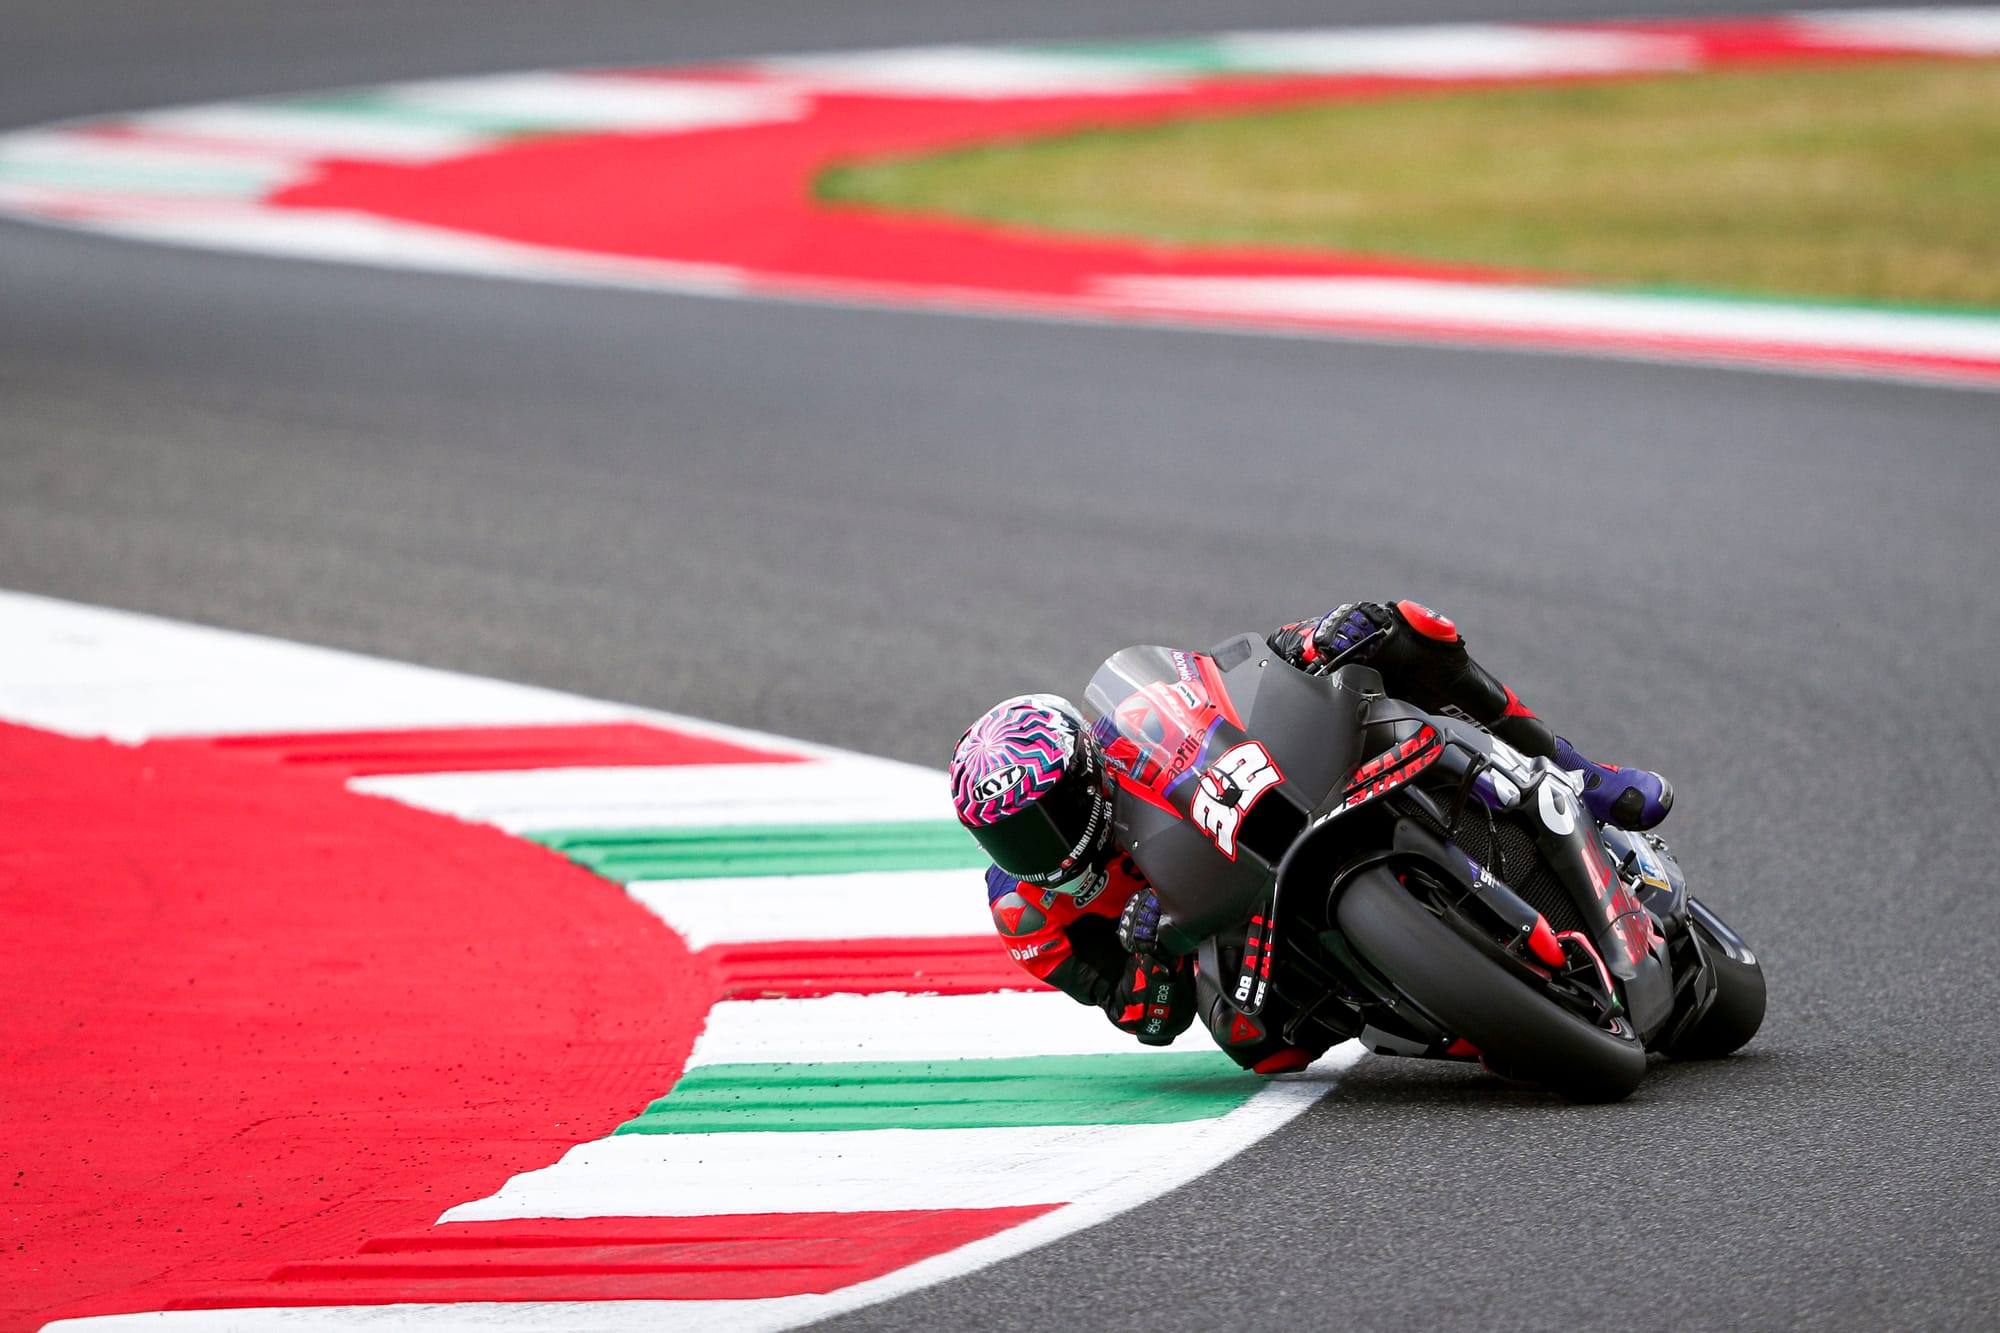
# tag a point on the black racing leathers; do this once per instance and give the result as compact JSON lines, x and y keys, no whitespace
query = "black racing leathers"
{"x":1422,"y":658}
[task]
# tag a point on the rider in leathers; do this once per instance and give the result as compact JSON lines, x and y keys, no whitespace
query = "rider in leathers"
{"x":1030,"y":784}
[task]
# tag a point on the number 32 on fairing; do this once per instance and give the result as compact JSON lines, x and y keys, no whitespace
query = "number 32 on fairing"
{"x":1228,"y":788}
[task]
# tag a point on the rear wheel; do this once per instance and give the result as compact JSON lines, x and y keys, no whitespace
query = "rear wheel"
{"x":1520,"y":1032}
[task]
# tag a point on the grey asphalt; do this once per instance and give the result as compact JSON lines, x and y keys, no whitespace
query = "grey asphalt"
{"x":862,"y":527}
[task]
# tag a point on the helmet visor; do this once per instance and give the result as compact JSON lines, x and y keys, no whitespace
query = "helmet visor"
{"x":1056,"y":837}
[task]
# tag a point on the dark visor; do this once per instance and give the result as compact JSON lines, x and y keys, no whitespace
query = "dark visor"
{"x":1033,"y":843}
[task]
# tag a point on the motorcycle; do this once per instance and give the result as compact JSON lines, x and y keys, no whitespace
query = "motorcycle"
{"x":1345,"y":865}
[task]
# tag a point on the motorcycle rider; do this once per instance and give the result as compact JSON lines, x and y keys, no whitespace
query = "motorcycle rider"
{"x":1031,"y":782}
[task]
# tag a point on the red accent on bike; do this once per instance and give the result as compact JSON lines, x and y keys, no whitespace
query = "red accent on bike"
{"x":1515,"y":708}
{"x":1582,"y":941}
{"x":1463,"y":1050}
{"x":1428,"y":622}
{"x":1218,"y":694}
{"x":1131,"y":786}
{"x":1393,"y":767}
{"x":1545,"y":944}
{"x":1287,"y":1061}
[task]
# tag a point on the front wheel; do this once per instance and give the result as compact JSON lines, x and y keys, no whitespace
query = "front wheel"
{"x":1519,"y":1032}
{"x":1737,"y":1011}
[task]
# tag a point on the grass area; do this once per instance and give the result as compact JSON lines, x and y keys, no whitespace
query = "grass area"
{"x":1875,"y":182}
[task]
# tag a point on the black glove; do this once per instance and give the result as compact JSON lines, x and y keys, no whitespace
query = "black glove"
{"x":1139,"y":923}
{"x":1346,"y":628}
{"x":1154,"y":1002}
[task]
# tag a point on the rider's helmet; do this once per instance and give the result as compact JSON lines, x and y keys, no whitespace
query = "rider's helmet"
{"x":1029,"y":782}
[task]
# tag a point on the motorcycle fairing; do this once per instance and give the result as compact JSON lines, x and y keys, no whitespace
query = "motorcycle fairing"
{"x":1570,"y":840}
{"x":1166,"y":716}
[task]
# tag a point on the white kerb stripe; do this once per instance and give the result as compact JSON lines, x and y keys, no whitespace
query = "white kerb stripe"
{"x":917,"y":904}
{"x":600,"y":101}
{"x":846,"y":790}
{"x":312,"y":132}
{"x":846,"y":1028}
{"x":1453,"y":52}
{"x":1949,"y":31}
{"x":61,"y":158}
{"x":362,"y":238}
{"x":973,"y":72}
{"x":90,"y":671}
{"x":1583,"y":314}
{"x":873,"y":1170}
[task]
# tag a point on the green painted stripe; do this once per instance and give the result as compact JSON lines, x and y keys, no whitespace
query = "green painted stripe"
{"x":950,"y":1094}
{"x":1972,"y":314}
{"x":783,"y":849}
{"x":386,"y":106}
{"x":1194,"y":55}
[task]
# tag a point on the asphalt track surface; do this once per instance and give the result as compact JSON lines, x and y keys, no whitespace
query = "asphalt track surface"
{"x":861,"y":527}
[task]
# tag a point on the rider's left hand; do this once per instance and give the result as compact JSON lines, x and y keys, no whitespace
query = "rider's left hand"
{"x":1345,"y":628}
{"x":1139,"y":924}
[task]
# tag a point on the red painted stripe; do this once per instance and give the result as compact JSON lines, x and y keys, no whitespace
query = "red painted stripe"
{"x":625,"y":1258}
{"x":254,"y":1019}
{"x":755,"y":209}
{"x":482,"y":749}
{"x":953,"y":965}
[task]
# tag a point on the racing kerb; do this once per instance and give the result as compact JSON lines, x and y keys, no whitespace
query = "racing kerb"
{"x":875,"y":1097}
{"x":699,"y":180}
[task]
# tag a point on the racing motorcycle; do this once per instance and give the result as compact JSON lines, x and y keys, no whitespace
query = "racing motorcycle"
{"x":1353,"y":866}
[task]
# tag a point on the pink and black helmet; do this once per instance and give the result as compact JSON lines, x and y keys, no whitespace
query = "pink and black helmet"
{"x":1029,"y":783}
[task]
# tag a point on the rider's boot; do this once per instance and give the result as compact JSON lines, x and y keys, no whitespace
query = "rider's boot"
{"x":1631,"y":798}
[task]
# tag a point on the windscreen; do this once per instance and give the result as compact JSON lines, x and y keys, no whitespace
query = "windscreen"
{"x":1155,"y":710}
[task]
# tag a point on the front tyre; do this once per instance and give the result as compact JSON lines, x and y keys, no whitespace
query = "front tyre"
{"x":1518,"y":1031}
{"x":1737,"y":1011}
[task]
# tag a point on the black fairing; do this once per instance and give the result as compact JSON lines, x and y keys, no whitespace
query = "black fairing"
{"x":1310,"y":727}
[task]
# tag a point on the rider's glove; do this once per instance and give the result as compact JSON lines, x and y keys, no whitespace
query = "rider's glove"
{"x":1154,"y":1002}
{"x":1345,"y":628}
{"x":1139,"y":923}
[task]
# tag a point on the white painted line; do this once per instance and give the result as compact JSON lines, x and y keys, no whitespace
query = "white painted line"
{"x":337,"y":236}
{"x":848,"y":1028}
{"x":1947,"y":31}
{"x":853,"y":789}
{"x":91,"y":671}
{"x":1453,"y":51}
{"x":597,"y":102}
{"x":308,"y":131}
{"x":101,"y":207}
{"x":1572,"y":313}
{"x":972,"y":72}
{"x":699,"y":1175}
{"x":915,"y":904}
{"x":696,"y":1175}
{"x":61,"y":158}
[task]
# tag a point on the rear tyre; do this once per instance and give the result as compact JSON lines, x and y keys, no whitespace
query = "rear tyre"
{"x":1520,"y":1033}
{"x":1736,"y":1012}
